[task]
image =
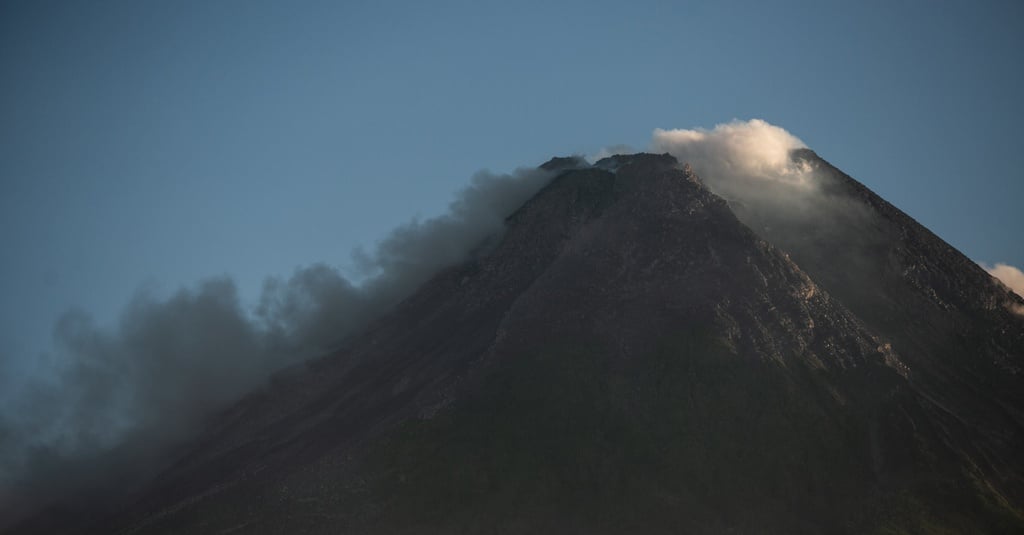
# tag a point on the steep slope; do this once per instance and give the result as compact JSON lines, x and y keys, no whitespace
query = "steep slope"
{"x":952,"y":323}
{"x":629,"y":358}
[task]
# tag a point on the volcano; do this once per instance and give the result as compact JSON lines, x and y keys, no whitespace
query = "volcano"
{"x":643,"y":350}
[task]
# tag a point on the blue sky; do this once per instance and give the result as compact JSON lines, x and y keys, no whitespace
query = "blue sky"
{"x":156,"y":144}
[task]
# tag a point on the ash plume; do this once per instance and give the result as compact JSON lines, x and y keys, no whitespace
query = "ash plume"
{"x":114,"y":402}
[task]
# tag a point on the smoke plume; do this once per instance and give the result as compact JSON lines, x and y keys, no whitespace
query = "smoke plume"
{"x":734,"y":154}
{"x":1012,"y":277}
{"x":775,"y":186}
{"x":115,"y":401}
{"x":758,"y":168}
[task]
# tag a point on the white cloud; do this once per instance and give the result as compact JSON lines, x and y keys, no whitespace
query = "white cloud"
{"x":738,"y":150}
{"x":1012,"y":277}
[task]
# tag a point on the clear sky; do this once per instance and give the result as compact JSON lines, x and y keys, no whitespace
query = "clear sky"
{"x":158,"y":143}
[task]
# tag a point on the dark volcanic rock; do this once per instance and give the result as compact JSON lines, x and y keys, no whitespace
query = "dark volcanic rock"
{"x":631,"y":358}
{"x":949,"y":320}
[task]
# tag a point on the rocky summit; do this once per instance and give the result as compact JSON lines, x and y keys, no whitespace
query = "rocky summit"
{"x":637,"y":354}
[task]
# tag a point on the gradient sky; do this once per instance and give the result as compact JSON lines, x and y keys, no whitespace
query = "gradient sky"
{"x":159,"y":143}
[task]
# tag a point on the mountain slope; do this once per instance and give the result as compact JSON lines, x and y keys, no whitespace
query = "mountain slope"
{"x":951,"y":322}
{"x":630,"y":358}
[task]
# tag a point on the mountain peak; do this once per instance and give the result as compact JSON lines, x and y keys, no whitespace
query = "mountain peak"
{"x":636,"y":354}
{"x":646,"y":158}
{"x":558,"y":163}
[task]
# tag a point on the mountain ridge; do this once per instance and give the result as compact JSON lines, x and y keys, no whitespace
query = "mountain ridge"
{"x":629,"y":345}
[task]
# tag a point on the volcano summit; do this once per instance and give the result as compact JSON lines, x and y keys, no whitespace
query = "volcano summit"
{"x":731,"y":336}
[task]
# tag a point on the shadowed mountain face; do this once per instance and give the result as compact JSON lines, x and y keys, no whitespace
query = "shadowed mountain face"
{"x":640,"y":355}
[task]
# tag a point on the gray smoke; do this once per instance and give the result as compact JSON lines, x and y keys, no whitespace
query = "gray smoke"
{"x":416,"y":250}
{"x":783,"y":196}
{"x":117,"y":401}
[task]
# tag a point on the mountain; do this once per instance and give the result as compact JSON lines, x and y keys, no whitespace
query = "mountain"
{"x":638,"y":354}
